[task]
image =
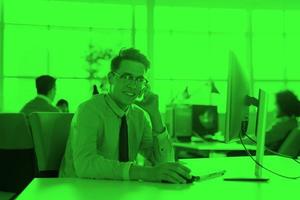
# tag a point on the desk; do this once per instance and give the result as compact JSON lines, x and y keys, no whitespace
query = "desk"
{"x":276,"y":188}
{"x":213,"y":148}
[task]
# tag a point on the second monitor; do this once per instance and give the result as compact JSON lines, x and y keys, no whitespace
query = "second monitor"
{"x":204,"y":120}
{"x":185,"y":121}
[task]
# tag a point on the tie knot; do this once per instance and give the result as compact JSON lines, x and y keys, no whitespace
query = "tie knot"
{"x":123,"y":118}
{"x":123,"y":121}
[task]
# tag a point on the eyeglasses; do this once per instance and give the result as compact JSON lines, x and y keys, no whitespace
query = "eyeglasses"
{"x":141,"y":81}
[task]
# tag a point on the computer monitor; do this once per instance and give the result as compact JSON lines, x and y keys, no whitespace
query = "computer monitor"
{"x":184,"y":121}
{"x":238,"y":89}
{"x":179,"y":121}
{"x":261,"y":131}
{"x":204,"y":120}
{"x":237,"y":111}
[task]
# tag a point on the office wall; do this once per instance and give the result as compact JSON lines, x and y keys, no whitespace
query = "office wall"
{"x":189,"y":50}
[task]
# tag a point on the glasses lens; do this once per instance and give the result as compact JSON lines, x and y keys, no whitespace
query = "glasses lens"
{"x":126,"y":77}
{"x":130,"y":78}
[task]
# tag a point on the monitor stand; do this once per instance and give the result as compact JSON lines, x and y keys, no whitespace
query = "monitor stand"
{"x":247,"y":179}
{"x":261,"y":131}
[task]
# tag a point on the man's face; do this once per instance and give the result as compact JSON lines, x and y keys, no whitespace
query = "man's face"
{"x":124,"y":85}
{"x":64,"y":108}
{"x":278,"y":110}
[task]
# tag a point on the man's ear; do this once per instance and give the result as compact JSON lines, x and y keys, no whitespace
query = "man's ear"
{"x":52,"y":93}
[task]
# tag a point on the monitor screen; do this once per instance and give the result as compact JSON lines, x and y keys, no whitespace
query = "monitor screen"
{"x":204,"y":120}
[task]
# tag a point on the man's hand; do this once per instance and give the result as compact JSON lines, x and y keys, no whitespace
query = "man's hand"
{"x":150,"y":104}
{"x":170,"y":172}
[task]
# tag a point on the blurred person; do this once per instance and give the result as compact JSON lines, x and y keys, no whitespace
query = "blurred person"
{"x":46,"y":91}
{"x":63,"y":105}
{"x":287,"y":111}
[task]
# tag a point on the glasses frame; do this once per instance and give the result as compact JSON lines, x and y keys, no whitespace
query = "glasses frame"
{"x":135,"y":79}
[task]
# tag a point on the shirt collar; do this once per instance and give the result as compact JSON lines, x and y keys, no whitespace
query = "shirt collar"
{"x":45,"y":98}
{"x":114,"y":107}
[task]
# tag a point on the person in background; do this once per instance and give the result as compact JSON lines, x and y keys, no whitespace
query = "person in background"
{"x":95,"y":90}
{"x":63,"y":105}
{"x":109,"y":130}
{"x":288,"y":109}
{"x":46,"y":90}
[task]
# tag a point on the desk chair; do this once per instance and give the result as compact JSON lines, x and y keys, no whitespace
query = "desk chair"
{"x":291,"y":145}
{"x":16,"y":153}
{"x":50,"y":133}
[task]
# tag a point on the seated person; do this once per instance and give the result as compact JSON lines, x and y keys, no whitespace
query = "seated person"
{"x":108,"y":130}
{"x":95,"y":90}
{"x":46,"y":90}
{"x":288,"y":109}
{"x":63,"y":105}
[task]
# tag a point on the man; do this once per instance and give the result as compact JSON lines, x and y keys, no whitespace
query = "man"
{"x":108,"y":131}
{"x":63,"y":105}
{"x":46,"y":90}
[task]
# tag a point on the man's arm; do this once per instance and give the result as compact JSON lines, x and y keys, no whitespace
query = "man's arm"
{"x":88,"y":162}
{"x":156,"y":145}
{"x":279,"y":131}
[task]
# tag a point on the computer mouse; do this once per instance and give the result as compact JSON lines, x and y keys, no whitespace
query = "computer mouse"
{"x":192,"y":179}
{"x":188,"y":181}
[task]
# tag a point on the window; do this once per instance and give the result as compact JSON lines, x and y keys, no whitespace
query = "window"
{"x":269,"y":22}
{"x":57,"y":43}
{"x":194,"y":47}
{"x":268,"y":54}
{"x":25,"y":50}
{"x":292,"y":58}
{"x":17,"y":92}
{"x":189,"y":50}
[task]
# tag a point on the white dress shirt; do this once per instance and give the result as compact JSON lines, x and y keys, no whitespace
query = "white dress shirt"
{"x":92,"y":150}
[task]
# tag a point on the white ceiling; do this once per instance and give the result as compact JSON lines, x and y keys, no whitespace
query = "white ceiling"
{"x":259,"y":4}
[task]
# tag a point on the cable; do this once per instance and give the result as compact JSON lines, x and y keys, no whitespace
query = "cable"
{"x":274,"y":152}
{"x":278,"y":174}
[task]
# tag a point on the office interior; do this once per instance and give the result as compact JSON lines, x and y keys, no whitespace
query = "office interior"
{"x":188,"y":43}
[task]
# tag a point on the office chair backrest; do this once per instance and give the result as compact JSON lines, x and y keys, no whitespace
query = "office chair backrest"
{"x":14,"y":131}
{"x":291,"y":145}
{"x":7,"y":195}
{"x":17,"y":161}
{"x":50,"y":133}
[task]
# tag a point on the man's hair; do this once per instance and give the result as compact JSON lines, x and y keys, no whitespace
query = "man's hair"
{"x":62,"y":102}
{"x":129,"y":54}
{"x":44,"y":84}
{"x":288,"y":104}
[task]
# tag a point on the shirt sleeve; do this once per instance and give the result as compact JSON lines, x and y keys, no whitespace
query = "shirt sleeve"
{"x":278,"y":132}
{"x":88,"y":163}
{"x":156,"y":148}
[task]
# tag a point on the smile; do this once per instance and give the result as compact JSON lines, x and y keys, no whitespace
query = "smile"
{"x":130,"y":94}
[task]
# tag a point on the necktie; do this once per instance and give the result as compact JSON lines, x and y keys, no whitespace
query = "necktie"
{"x":123,"y":141}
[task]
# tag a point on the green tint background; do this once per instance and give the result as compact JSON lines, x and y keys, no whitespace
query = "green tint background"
{"x":191,"y":45}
